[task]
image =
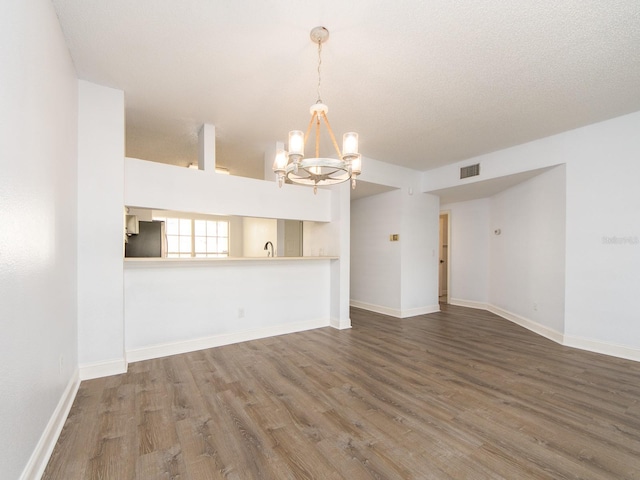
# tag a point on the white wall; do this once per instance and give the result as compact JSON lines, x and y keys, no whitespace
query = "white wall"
{"x":38,"y":139}
{"x":256,"y":233}
{"x":602,"y":226}
{"x":382,"y":173}
{"x":603,"y":236}
{"x":319,"y":239}
{"x":169,"y":187}
{"x":334,"y":239}
{"x":527,"y":260}
{"x":181,"y":306}
{"x":158,"y":186}
{"x":419,"y":239}
{"x":340,"y":247}
{"x":375,"y":261}
{"x":395,"y":278}
{"x":100,"y":230}
{"x":469,"y":251}
{"x":143,"y":214}
{"x":546,"y":152}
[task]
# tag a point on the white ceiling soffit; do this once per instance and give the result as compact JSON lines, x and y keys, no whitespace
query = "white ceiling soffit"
{"x":424,"y":82}
{"x":366,"y":189}
{"x":484,"y":188}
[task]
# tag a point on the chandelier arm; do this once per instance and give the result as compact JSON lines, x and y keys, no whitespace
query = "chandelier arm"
{"x":306,"y":135}
{"x":333,"y":138}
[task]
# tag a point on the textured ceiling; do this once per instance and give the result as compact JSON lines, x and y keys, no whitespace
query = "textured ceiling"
{"x":424,"y":82}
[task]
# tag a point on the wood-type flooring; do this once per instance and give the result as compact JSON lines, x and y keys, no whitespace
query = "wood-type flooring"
{"x":452,"y":395}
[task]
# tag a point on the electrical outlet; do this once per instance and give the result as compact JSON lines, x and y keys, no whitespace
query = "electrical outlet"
{"x":535,"y":307}
{"x":61,"y":363}
{"x":241,"y":313}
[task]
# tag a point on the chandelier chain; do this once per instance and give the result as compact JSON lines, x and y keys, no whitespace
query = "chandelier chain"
{"x":319,"y":65}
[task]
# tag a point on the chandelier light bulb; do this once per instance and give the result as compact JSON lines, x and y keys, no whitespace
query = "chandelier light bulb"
{"x":280,"y":163}
{"x":356,"y":164}
{"x":349,"y":143}
{"x":296,"y":143}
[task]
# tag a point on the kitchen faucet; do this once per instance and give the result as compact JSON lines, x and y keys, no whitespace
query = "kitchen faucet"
{"x":269,"y":248}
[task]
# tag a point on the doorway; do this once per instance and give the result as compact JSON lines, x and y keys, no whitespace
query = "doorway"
{"x":443,"y":255}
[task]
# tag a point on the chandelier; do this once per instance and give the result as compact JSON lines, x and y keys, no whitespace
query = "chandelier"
{"x":294,"y":167}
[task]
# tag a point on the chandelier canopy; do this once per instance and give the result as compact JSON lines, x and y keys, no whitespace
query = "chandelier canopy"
{"x":293,"y":167}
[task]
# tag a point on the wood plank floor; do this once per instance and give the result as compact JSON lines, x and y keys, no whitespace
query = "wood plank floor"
{"x":457,"y":394}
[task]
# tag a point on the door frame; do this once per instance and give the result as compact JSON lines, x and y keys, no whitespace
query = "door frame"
{"x":447,"y":214}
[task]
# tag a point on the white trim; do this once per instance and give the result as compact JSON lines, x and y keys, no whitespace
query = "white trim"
{"x":468,"y":303}
{"x":414,"y":312}
{"x":335,"y":323}
{"x":41,"y":454}
{"x":174,"y":348}
{"x":102,"y":369}
{"x":447,"y":213}
{"x":595,"y":346}
{"x":535,"y":327}
{"x":392,"y":312}
{"x":605,"y":348}
{"x":154,"y":262}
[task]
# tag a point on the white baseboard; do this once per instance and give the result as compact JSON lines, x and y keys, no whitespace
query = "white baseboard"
{"x":393,"y":312}
{"x":468,"y":303}
{"x":174,"y":348}
{"x":605,"y":348}
{"x":89,"y":371}
{"x":595,"y":346}
{"x":512,"y":317}
{"x":41,"y":454}
{"x":535,"y":327}
{"x":414,"y":312}
{"x":335,"y":323}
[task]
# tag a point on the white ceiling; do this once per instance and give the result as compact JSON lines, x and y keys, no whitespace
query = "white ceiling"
{"x":424,"y":82}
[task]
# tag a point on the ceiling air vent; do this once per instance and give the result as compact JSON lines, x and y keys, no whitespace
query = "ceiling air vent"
{"x":470,"y":171}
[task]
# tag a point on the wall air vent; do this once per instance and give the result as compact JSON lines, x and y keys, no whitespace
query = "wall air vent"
{"x":470,"y":171}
